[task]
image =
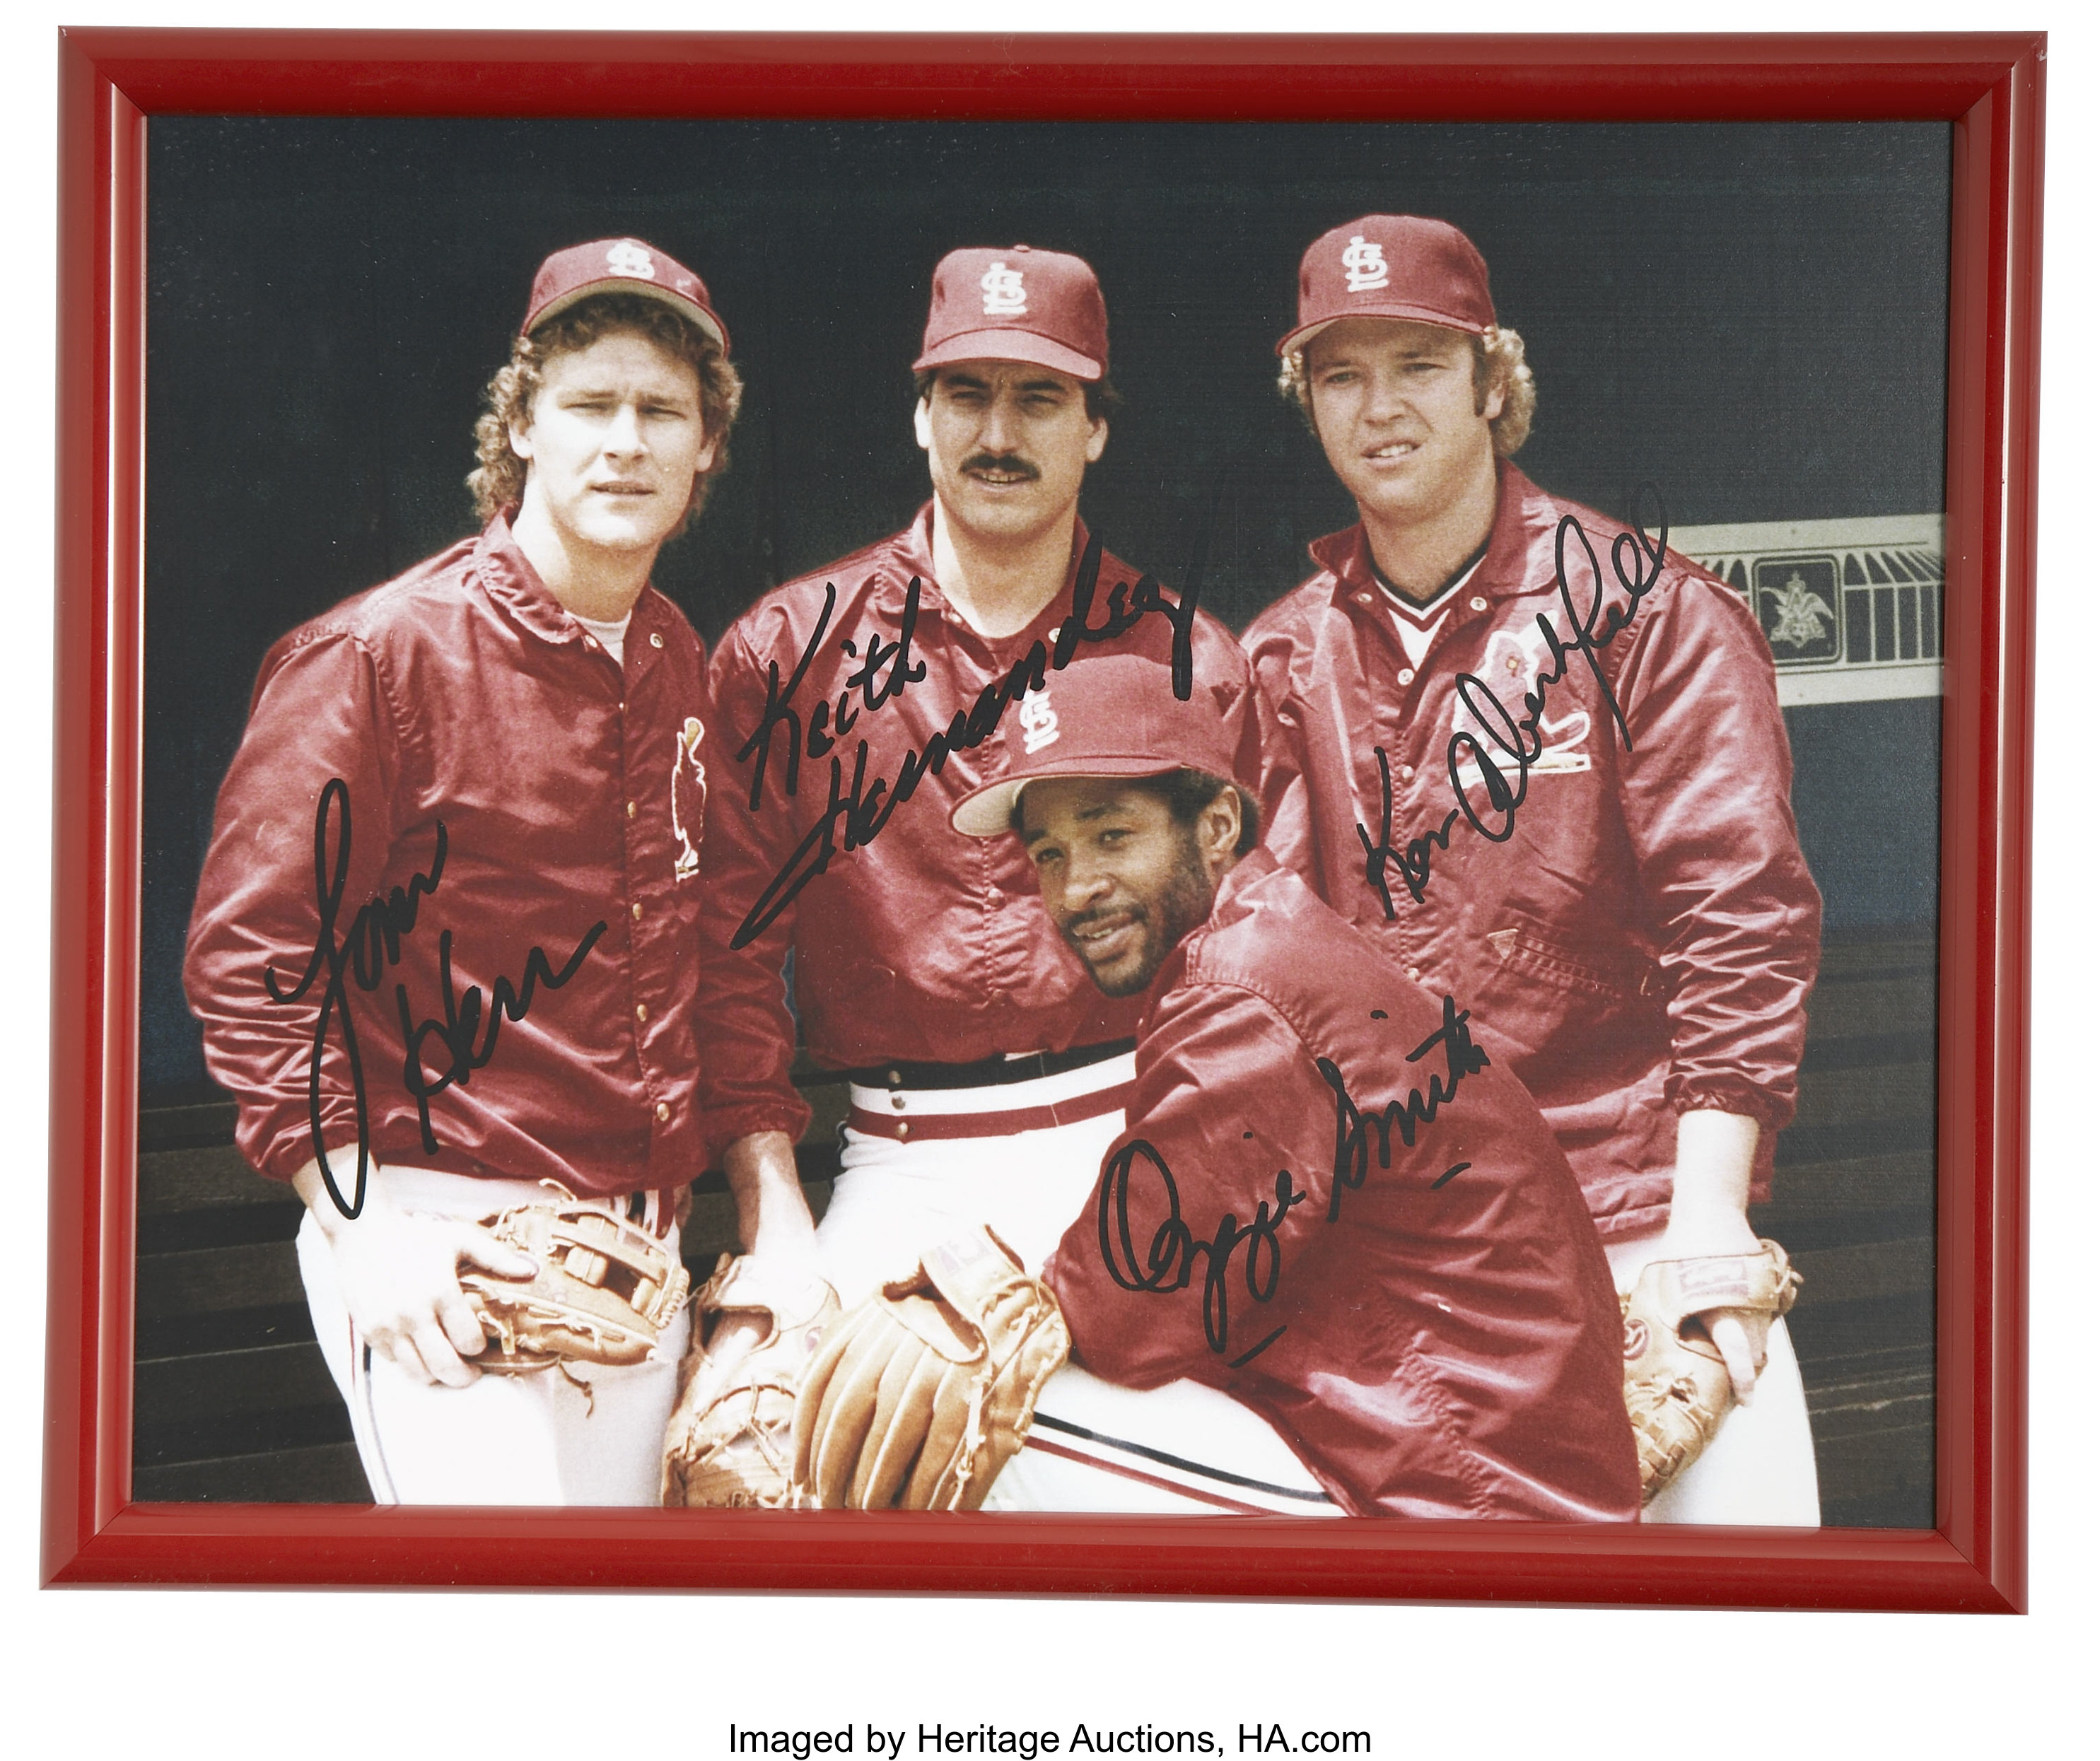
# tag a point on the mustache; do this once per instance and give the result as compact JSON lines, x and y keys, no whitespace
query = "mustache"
{"x":1010,"y":462}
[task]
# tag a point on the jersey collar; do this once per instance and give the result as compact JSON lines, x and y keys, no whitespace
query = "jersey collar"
{"x":508,"y":576}
{"x":1523,"y":514}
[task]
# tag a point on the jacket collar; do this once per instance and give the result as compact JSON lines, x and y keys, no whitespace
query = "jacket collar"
{"x":911,"y":552}
{"x":1524,"y":514}
{"x":1257,"y":864}
{"x":507,"y":575}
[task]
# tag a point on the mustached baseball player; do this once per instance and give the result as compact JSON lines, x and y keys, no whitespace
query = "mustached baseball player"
{"x":1335,"y":1262}
{"x":443,"y":947}
{"x":1586,"y":842}
{"x":855,"y":707}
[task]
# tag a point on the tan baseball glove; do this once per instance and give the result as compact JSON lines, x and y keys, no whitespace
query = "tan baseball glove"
{"x":926,"y":1389}
{"x":604,"y":1293}
{"x":734,"y":1446}
{"x":1677,"y":1388}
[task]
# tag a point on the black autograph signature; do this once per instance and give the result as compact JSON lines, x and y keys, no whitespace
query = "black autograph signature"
{"x":1353,"y":1127}
{"x":864,"y":806}
{"x":372,"y":946}
{"x":1169,"y":1257}
{"x":1637,"y":560}
{"x":1167,"y":1261}
{"x":463,"y":1019}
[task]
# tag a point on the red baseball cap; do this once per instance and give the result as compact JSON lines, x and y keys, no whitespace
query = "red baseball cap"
{"x":620,"y":265}
{"x":1018,"y":304}
{"x":1391,"y":266}
{"x":1108,"y":715}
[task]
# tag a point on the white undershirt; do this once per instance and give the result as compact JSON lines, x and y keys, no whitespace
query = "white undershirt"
{"x":611,"y":636}
{"x":1418,"y":625}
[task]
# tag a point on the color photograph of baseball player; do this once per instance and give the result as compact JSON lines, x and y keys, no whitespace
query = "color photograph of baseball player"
{"x":966,"y":977}
{"x":1326,"y":1204}
{"x":1573,"y":811}
{"x":492,"y":1265}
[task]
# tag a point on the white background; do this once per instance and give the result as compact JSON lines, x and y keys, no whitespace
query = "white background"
{"x":232,"y":1672}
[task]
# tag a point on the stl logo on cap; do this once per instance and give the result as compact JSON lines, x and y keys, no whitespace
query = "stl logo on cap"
{"x":1365,"y":261}
{"x":625,"y":259}
{"x":1039,"y":721}
{"x":1003,"y":295}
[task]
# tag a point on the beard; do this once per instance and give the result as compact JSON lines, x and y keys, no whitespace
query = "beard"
{"x":1183,"y":904}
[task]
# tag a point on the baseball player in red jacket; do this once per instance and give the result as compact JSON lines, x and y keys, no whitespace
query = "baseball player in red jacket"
{"x":468,"y":807}
{"x":855,"y":708}
{"x":1539,"y":761}
{"x":1330,"y":1210}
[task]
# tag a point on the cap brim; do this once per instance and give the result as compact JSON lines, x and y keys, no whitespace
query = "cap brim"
{"x":1418,"y":315}
{"x":691,"y":310}
{"x":988,"y":811}
{"x":1003,"y":344}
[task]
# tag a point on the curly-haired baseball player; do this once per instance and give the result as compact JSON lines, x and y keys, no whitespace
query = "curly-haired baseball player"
{"x":1539,"y":762}
{"x":444,"y":945}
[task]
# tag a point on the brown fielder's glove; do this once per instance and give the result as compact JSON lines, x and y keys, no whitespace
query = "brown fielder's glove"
{"x":1677,"y":1388}
{"x":738,"y":1449}
{"x":926,"y":1390}
{"x":604,"y":1293}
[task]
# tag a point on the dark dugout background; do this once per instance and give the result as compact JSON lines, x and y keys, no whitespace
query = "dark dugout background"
{"x":1750,"y":317}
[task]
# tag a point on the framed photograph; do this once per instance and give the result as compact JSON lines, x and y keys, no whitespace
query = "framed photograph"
{"x":1753,"y":328}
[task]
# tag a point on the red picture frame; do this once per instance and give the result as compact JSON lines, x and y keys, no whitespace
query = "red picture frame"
{"x":1989,"y":87}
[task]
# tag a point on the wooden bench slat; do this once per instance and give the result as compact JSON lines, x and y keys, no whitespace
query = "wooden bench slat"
{"x":1858,"y":1097}
{"x":171,"y":1180}
{"x":218,"y":1383}
{"x":203,"y":1280}
{"x":320,"y":1473}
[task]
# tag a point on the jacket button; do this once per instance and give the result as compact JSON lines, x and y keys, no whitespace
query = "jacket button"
{"x":896,"y":1076}
{"x":903,"y":1127}
{"x":630,"y":810}
{"x":1406,"y":775}
{"x":638,"y":910}
{"x":663,"y":1110}
{"x":1414,"y":975}
{"x":1477,"y":603}
{"x":590,"y":641}
{"x":896,"y":1101}
{"x":1407,"y":676}
{"x":654,"y":640}
{"x":642,"y":1011}
{"x":1363,"y":599}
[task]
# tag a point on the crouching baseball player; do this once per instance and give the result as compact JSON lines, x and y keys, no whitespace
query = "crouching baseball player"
{"x":1539,"y":762}
{"x":1335,"y":1261}
{"x":444,"y":945}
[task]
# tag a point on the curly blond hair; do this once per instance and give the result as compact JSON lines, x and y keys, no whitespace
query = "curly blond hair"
{"x":1498,"y":361}
{"x":498,"y":480}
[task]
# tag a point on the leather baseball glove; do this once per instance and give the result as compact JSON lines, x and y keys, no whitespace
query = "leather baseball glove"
{"x":604,"y":1293}
{"x":1677,"y":1388}
{"x":926,"y":1390}
{"x":734,"y":1446}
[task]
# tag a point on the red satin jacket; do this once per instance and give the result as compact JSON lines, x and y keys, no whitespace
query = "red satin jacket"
{"x":1638,"y":937}
{"x":919,"y":943}
{"x":571,"y":794}
{"x":1430,"y":1323}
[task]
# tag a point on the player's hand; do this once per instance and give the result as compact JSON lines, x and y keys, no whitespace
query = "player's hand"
{"x":399,"y":1274}
{"x":1739,"y":1335}
{"x":732,"y":1334}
